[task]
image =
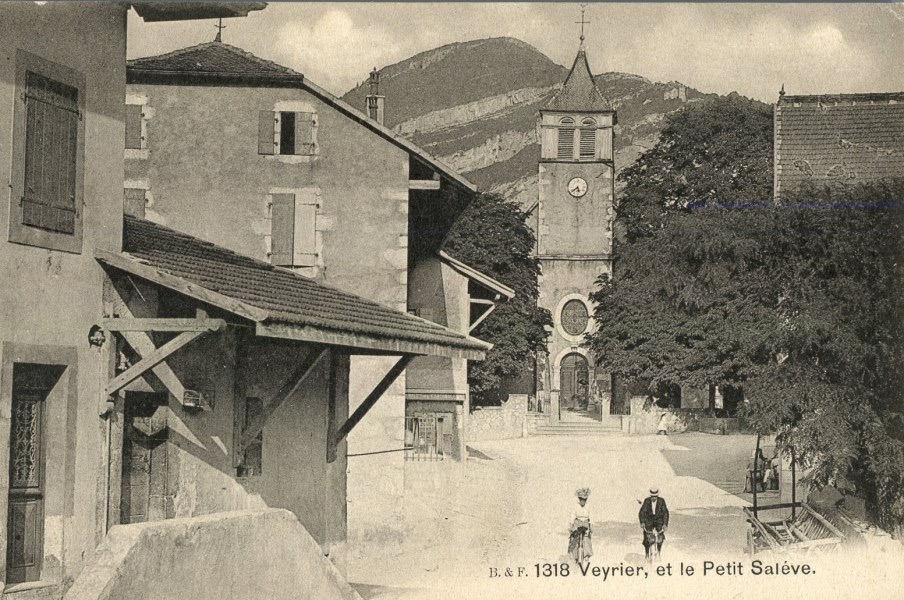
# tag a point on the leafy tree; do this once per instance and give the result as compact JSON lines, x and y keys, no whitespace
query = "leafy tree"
{"x":798,"y":304}
{"x":493,"y":237}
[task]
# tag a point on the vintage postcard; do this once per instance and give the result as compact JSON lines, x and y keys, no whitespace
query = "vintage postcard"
{"x":397,"y":301}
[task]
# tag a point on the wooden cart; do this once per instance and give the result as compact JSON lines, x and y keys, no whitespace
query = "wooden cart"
{"x":804,"y":529}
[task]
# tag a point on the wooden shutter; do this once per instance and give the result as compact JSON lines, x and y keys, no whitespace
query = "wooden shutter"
{"x":51,"y":133}
{"x":566,"y":142}
{"x":604,"y":142}
{"x":282,"y":230}
{"x":306,"y":229}
{"x":266,"y":130}
{"x":305,"y":123}
{"x":588,"y":143}
{"x":133,"y":126}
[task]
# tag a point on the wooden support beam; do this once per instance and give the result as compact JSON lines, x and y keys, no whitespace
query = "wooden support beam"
{"x":289,"y":387}
{"x":143,"y":345}
{"x":423,"y":184}
{"x":163,"y":324}
{"x":481,"y":318}
{"x":333,"y":384}
{"x":151,"y":360}
{"x":369,"y":402}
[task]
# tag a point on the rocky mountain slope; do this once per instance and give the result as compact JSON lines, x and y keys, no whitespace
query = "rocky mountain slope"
{"x":474,"y":105}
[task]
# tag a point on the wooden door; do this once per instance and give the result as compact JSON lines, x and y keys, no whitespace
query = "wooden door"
{"x":25,"y":522}
{"x":573,"y":381}
{"x":144,"y":448}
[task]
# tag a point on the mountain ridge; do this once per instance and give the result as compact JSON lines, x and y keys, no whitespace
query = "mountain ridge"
{"x":474,"y":105}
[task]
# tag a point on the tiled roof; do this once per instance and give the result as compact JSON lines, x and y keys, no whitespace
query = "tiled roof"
{"x":284,"y":297}
{"x":214,"y":58}
{"x":838,"y":138}
{"x":579,"y":92}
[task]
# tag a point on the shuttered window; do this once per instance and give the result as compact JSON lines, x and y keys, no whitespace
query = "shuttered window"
{"x":287,"y":133}
{"x":134,"y":138}
{"x":293,"y":230}
{"x":566,"y":138}
{"x":51,"y":143}
{"x":566,"y":142}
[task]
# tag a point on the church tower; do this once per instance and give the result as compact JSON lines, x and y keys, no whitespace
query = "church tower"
{"x":574,"y":234}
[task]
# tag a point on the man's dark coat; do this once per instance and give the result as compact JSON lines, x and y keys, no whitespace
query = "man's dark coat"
{"x":660,"y":519}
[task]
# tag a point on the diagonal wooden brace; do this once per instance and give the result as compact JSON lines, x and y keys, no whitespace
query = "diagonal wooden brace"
{"x":366,"y":405}
{"x":150,"y":361}
{"x":289,"y":387}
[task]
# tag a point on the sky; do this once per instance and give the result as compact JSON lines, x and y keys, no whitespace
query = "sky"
{"x":752,"y":49}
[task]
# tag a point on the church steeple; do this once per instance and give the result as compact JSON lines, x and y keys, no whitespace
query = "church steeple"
{"x":579,"y":92}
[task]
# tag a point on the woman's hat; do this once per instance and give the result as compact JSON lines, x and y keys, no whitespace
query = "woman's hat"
{"x":583,"y":493}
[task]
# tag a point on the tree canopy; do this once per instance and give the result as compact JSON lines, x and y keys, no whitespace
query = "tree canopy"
{"x":797,"y":304}
{"x":493,"y":237}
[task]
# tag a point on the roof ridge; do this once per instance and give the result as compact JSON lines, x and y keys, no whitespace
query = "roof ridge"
{"x":172,"y":53}
{"x":136,"y":62}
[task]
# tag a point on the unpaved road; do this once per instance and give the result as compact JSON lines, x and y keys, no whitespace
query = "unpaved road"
{"x":510,"y":510}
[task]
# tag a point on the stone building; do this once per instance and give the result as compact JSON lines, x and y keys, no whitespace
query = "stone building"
{"x":255,"y":157}
{"x":574,"y":215}
{"x":837,"y":139}
{"x":161,"y":395}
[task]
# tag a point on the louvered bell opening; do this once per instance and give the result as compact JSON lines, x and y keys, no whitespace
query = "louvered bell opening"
{"x":566,"y":143}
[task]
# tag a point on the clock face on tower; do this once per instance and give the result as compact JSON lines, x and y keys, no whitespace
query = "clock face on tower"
{"x":577,"y":187}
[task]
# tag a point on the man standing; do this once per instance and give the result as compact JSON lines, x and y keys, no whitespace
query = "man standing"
{"x":654,"y":519}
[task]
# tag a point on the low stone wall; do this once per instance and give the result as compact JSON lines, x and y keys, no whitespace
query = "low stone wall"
{"x":645,"y":417}
{"x":254,"y":554}
{"x":499,"y":422}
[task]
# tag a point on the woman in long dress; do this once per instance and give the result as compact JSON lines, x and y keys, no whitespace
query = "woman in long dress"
{"x":579,"y":543}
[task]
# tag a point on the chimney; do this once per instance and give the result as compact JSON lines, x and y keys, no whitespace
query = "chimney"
{"x":375,"y":102}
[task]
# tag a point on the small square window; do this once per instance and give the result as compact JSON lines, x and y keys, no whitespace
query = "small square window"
{"x":287,"y":133}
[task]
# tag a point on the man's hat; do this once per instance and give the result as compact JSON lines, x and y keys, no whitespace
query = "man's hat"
{"x":654,"y":491}
{"x":583,"y":493}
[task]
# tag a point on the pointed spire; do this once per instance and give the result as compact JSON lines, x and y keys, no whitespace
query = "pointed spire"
{"x":579,"y":92}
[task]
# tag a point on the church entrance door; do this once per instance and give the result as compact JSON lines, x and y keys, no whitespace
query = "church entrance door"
{"x":574,"y":382}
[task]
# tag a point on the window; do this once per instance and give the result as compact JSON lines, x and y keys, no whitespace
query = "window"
{"x":287,"y":133}
{"x":293,"y":228}
{"x":48,"y":155}
{"x":566,"y":138}
{"x":575,"y":317}
{"x":253,"y":457}
{"x":588,"y":139}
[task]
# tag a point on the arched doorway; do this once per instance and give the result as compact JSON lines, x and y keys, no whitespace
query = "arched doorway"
{"x":574,"y":382}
